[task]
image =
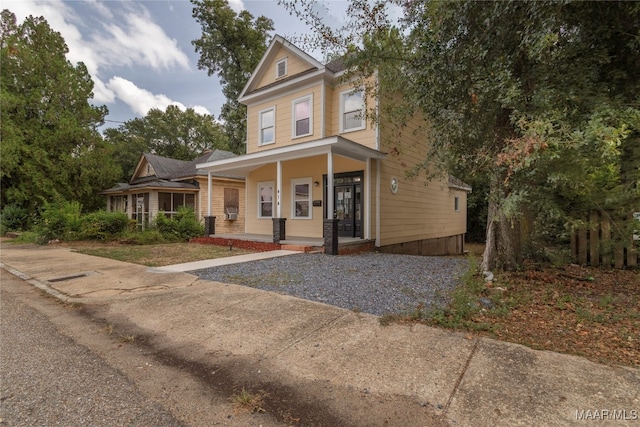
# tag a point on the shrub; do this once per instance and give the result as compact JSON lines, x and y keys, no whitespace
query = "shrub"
{"x":183,"y":226}
{"x":60,"y":220}
{"x":102,"y":225}
{"x":188,"y":225}
{"x":14,"y":218}
{"x":168,"y":227}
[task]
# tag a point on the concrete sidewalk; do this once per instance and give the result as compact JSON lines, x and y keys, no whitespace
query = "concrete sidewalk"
{"x":338,"y":357}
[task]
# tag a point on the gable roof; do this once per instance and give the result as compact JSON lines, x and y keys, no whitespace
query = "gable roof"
{"x":269,"y":56}
{"x":171,"y":173}
{"x":169,"y":169}
{"x":191,"y":168}
{"x":164,"y":167}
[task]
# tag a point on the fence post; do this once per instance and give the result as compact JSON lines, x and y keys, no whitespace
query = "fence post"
{"x":605,"y":245}
{"x":594,"y":239}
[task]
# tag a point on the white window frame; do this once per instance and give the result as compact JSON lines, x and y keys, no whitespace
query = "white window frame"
{"x":342,"y":110}
{"x":261,"y":128}
{"x":262,"y":185}
{"x":286,"y":68}
{"x":456,"y":203}
{"x":294,"y":182}
{"x":309,"y":99}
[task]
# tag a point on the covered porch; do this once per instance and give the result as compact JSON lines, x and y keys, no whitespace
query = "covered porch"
{"x":292,"y":175}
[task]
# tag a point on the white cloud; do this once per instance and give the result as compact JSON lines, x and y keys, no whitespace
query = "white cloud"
{"x":138,"y":41}
{"x":141,"y":100}
{"x":101,"y":93}
{"x":100,"y":8}
{"x":237,"y":5}
{"x":201,"y":110}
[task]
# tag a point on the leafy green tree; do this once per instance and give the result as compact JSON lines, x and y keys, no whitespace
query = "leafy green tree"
{"x":540,"y":99}
{"x":173,"y":133}
{"x":231,"y":46}
{"x":50,"y":143}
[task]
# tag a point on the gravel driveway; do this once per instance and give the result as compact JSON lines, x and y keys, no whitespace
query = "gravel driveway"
{"x":371,"y":282}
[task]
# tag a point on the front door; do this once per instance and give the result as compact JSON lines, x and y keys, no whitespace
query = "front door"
{"x":348,"y":209}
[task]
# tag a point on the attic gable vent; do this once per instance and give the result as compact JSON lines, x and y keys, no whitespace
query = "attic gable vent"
{"x":281,"y":68}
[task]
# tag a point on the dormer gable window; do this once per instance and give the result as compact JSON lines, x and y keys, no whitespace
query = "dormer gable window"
{"x":281,"y":68}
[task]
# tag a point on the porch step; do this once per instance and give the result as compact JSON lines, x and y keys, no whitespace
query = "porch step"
{"x":299,"y":248}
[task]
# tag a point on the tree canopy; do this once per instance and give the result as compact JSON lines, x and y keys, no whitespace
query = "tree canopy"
{"x":541,"y":99}
{"x":231,"y":47}
{"x":181,"y":135}
{"x":51,"y":147}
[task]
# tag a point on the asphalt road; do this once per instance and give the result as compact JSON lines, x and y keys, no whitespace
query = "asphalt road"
{"x":47,"y":379}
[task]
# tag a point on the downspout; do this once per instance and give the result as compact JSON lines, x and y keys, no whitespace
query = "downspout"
{"x":322,"y":109}
{"x":377,"y":203}
{"x":378,"y":163}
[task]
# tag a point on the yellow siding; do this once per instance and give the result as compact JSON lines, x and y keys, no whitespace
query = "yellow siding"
{"x":420,"y":209}
{"x":217,"y":206}
{"x":295,"y":65}
{"x":313,"y":168}
{"x":255,"y":225}
{"x":366,"y":136}
{"x":284,"y":120}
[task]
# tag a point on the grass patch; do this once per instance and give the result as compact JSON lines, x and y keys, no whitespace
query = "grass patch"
{"x":127,"y":338}
{"x":247,"y":402}
{"x":155,"y":255}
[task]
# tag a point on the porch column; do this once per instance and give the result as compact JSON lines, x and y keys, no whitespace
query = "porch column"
{"x":366,"y":202}
{"x":209,"y":192}
{"x":279,"y":230}
{"x":209,"y":225}
{"x":329,"y":185}
{"x":209,"y":221}
{"x":330,"y":225}
{"x":278,"y":188}
{"x":330,"y":233}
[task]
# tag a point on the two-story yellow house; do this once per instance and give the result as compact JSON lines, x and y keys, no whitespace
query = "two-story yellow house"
{"x":316,"y":168}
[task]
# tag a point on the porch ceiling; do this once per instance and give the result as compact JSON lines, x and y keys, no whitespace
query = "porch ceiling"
{"x":243,"y":165}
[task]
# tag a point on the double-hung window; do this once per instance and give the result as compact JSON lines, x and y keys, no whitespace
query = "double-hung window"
{"x":303,"y":116}
{"x":267,"y":120}
{"x":352,"y":110}
{"x":265,"y":199}
{"x":301,"y":198}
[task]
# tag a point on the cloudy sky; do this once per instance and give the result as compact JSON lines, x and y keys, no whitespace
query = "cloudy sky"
{"x":139,"y":53}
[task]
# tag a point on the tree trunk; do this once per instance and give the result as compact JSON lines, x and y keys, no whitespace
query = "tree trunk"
{"x":503,"y":244}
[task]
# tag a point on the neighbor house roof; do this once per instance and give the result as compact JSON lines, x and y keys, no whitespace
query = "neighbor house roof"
{"x":458,"y":184}
{"x":172,"y":173}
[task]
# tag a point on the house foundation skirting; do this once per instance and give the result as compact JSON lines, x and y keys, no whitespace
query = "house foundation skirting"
{"x":451,"y":245}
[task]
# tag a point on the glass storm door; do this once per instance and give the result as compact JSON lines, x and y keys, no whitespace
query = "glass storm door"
{"x":348,"y":209}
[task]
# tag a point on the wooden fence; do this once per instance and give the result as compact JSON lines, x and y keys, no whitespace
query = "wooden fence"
{"x":605,"y":242}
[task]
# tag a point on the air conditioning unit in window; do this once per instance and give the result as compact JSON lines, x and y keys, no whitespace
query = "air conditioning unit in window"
{"x":231,"y":214}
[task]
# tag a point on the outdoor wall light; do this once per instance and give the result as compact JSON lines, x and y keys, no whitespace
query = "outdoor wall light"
{"x":316,"y":183}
